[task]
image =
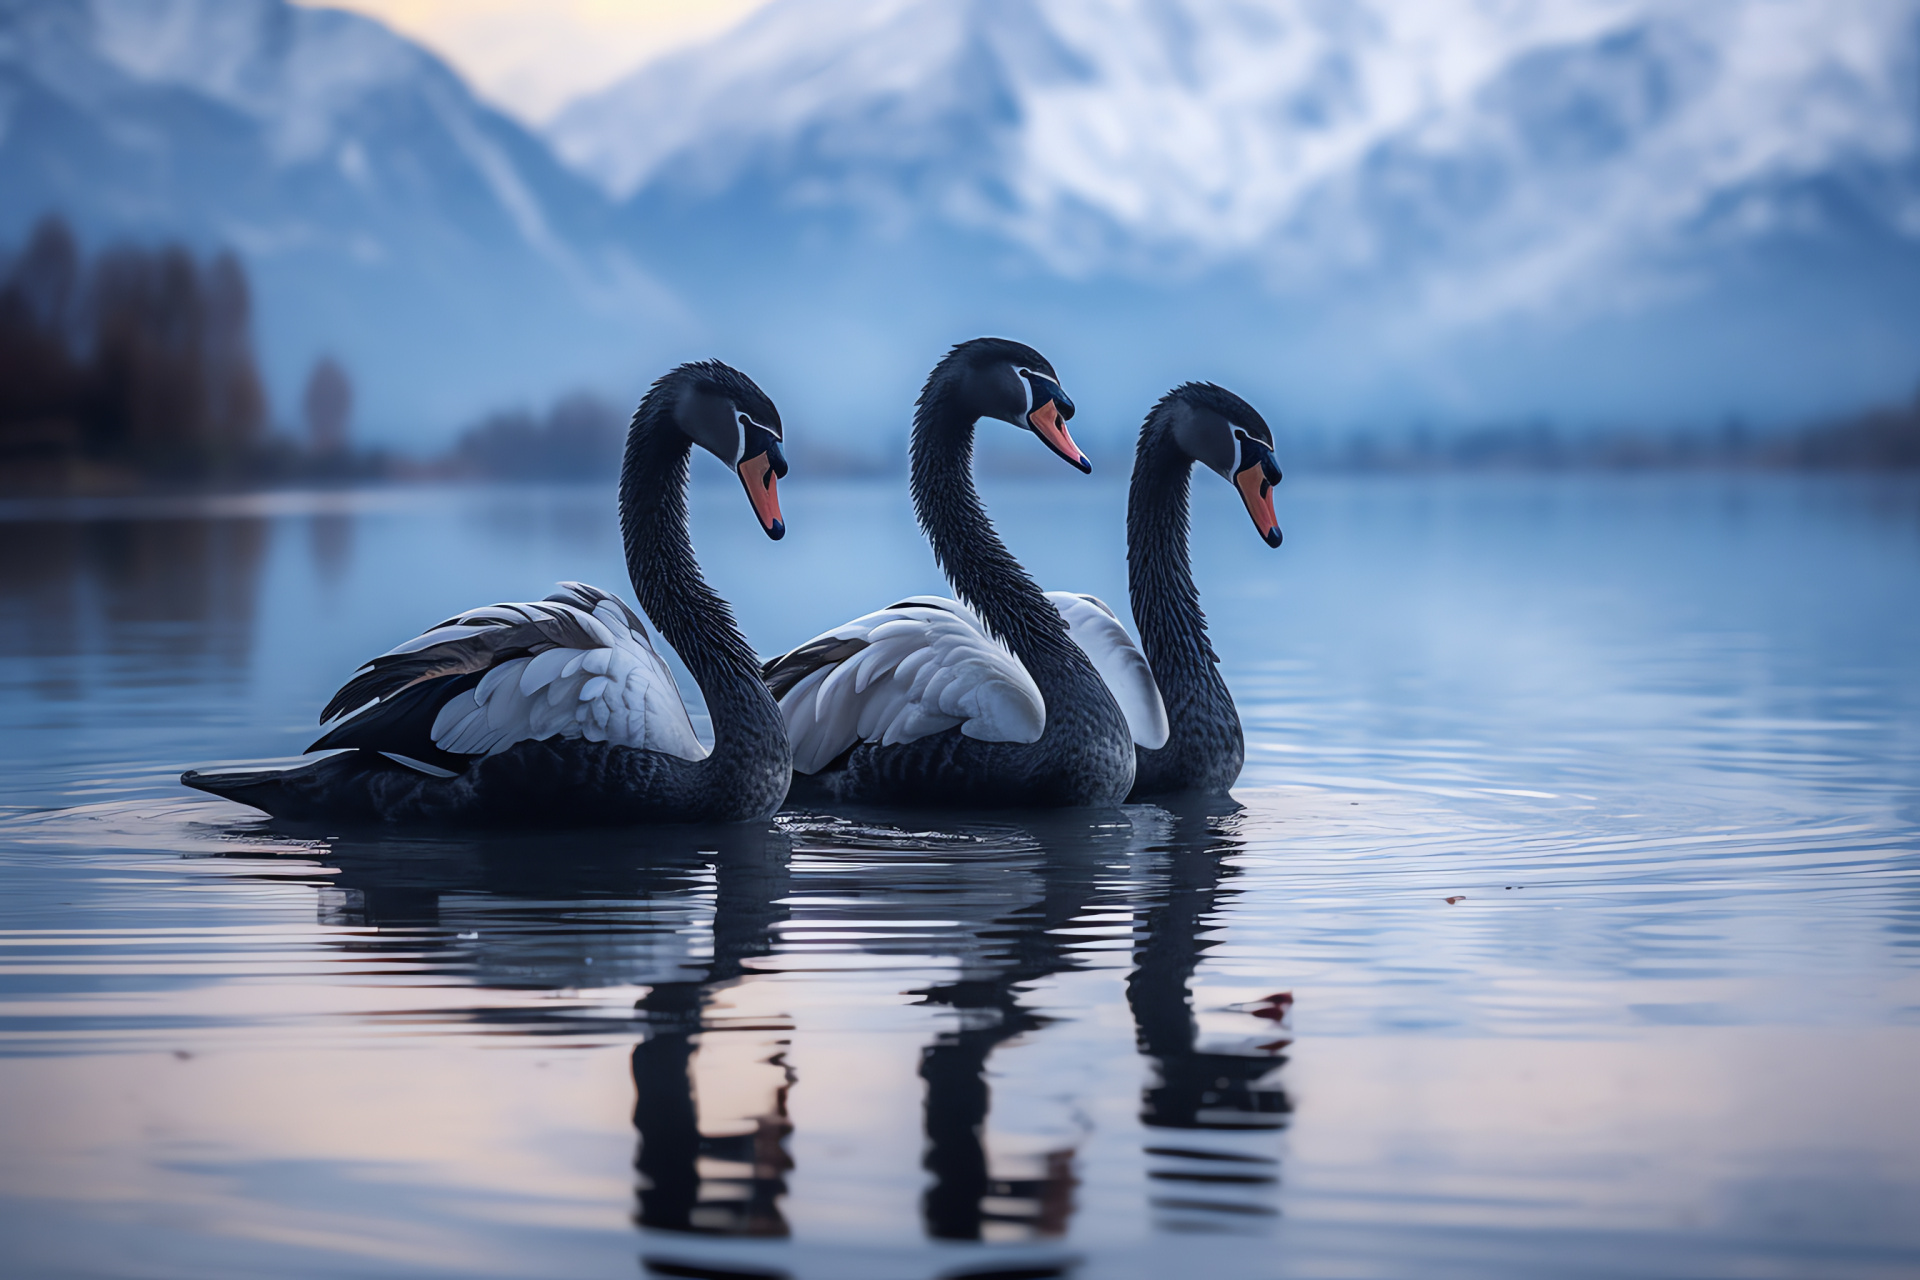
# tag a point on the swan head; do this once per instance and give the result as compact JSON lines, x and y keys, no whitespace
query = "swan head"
{"x":1011,"y":382}
{"x":1226,"y":435}
{"x":721,"y":410}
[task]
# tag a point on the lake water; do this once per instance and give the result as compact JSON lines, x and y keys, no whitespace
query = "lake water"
{"x":1581,"y":821}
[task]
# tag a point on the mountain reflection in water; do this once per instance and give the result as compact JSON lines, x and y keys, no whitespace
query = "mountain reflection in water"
{"x":691,"y":913}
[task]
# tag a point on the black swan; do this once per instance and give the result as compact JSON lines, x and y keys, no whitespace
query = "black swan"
{"x":560,"y":712}
{"x":1186,"y":732}
{"x":930,"y":702}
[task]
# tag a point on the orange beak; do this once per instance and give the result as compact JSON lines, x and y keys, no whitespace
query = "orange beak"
{"x":1047,"y":425}
{"x":756,"y":473}
{"x":1258,"y":495}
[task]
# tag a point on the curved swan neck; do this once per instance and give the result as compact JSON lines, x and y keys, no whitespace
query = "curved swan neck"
{"x":1166,"y":604}
{"x":965,"y":545}
{"x":671,"y":591}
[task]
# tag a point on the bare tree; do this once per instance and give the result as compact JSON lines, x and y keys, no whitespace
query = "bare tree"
{"x":149,"y":354}
{"x":39,"y":332}
{"x":236,"y":404}
{"x":328,"y":404}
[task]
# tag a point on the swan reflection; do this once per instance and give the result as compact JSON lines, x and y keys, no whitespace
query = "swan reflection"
{"x":1204,"y":1088}
{"x":705,"y":922}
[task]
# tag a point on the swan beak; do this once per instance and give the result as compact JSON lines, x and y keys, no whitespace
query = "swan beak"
{"x":758,"y":474}
{"x":1255,"y":482}
{"x":1051,"y":427}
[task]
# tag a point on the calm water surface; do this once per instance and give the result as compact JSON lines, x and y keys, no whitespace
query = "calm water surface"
{"x":1581,"y":822}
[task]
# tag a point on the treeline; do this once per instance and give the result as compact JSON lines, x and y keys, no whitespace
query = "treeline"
{"x":138,"y":365}
{"x":140,"y":361}
{"x":579,"y":438}
{"x":1883,"y":439}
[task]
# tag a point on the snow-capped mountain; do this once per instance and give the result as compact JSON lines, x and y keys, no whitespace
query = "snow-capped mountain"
{"x":1354,"y":211}
{"x":1423,"y":191}
{"x":1097,"y":130}
{"x":385,"y":215}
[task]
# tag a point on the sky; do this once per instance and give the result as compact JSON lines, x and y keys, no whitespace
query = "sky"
{"x":531,"y":57}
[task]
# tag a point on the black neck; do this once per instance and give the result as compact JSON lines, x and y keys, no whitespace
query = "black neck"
{"x":670,"y":590}
{"x":1166,"y":604}
{"x":983,"y":572}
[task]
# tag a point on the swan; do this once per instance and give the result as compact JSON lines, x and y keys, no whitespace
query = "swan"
{"x":1186,"y":731}
{"x":560,"y":711}
{"x":935,"y":702}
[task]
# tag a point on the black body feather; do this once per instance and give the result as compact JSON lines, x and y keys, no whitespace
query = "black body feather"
{"x":788,"y":670}
{"x":1085,"y":754}
{"x":501,"y":642}
{"x":403,"y":723}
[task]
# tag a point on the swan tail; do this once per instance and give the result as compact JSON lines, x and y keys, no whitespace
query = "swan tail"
{"x":342,"y":787}
{"x":403,"y":723}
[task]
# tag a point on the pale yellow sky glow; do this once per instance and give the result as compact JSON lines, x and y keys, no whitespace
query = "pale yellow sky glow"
{"x":531,"y":57}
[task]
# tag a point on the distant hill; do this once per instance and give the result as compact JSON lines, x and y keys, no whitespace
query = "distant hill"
{"x":386,"y":216}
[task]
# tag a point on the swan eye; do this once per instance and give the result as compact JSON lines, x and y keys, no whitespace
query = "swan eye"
{"x":1040,"y":387}
{"x":1255,"y":452}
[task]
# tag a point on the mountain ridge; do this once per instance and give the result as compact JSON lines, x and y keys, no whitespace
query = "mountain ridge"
{"x":1043,"y":109}
{"x":385,"y":214}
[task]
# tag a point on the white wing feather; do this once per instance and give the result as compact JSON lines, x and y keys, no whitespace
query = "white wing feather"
{"x":1098,"y":632}
{"x":927,"y":665}
{"x":618,"y":692}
